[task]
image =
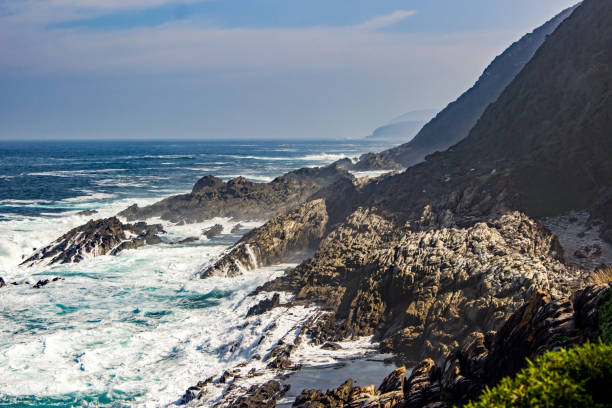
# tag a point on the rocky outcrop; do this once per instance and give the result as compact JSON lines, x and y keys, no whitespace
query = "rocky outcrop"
{"x":213,"y":231}
{"x":44,"y":282}
{"x":422,"y":292}
{"x":264,"y":396}
{"x":455,"y":122}
{"x":241,"y":198}
{"x":286,"y":235}
{"x":99,"y":237}
{"x":389,"y":394}
{"x":264,"y":306}
{"x":483,"y":359}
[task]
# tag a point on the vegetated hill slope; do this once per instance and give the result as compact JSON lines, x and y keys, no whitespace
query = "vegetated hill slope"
{"x":455,"y":122}
{"x":551,"y":129}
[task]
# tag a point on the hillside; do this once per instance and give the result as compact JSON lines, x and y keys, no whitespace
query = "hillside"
{"x":455,"y":122}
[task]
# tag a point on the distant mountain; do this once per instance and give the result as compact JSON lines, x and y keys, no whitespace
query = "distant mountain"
{"x":404,"y":127}
{"x":455,"y":122}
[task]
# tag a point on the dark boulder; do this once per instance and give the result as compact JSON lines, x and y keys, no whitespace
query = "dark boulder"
{"x":264,"y":306}
{"x":213,"y":231}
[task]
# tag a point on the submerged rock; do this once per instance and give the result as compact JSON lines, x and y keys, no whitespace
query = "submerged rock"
{"x":45,"y":282}
{"x":87,"y":213}
{"x":97,"y":237}
{"x":188,"y":240}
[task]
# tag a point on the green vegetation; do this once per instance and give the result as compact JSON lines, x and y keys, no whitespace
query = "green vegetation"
{"x":605,"y":317}
{"x":578,"y":377}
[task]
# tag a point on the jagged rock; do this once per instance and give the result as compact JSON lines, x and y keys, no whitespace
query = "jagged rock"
{"x":236,"y":228}
{"x":298,"y":231}
{"x":87,"y":213}
{"x":541,"y":324}
{"x":2,"y":282}
{"x":393,"y":382}
{"x":195,"y":392}
{"x":240,"y":198}
{"x":213,"y":231}
{"x":264,"y":396}
{"x":423,"y":291}
{"x":97,"y":237}
{"x":264,"y":306}
{"x":423,"y":386}
{"x":389,"y":395}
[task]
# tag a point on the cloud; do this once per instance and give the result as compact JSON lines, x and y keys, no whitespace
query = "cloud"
{"x":387,"y":20}
{"x":54,"y":11}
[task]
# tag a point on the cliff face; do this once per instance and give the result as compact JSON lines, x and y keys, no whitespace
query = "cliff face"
{"x":455,"y":122}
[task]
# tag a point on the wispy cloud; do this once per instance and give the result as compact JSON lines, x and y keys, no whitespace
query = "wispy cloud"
{"x":387,"y":20}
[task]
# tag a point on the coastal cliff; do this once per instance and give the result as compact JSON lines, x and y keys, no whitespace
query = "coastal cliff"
{"x":455,"y":121}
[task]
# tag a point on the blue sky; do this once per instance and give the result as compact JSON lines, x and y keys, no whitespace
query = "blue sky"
{"x":241,"y":68}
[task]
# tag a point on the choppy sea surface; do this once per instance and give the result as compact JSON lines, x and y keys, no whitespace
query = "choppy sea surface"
{"x":137,"y":329}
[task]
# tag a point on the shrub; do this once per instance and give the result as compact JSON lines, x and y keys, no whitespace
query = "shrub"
{"x":578,"y":377}
{"x":605,"y":317}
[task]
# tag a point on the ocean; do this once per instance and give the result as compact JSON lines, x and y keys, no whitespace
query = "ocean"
{"x":137,"y":329}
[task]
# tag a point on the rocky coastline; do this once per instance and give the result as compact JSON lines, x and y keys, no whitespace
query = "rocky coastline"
{"x":463,"y":266}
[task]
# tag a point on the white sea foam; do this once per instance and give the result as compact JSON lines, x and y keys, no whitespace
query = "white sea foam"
{"x":322,"y":157}
{"x":370,"y":173}
{"x":92,"y":196}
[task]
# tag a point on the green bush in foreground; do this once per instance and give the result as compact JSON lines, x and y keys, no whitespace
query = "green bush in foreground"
{"x":605,"y":317}
{"x":578,"y":377}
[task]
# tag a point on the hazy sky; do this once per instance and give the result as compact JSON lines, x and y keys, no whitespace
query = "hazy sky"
{"x":243,"y":68}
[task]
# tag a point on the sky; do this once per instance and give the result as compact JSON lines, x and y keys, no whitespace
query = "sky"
{"x":233,"y":69}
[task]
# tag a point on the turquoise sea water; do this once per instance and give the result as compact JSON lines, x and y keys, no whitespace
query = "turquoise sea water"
{"x":139,"y":328}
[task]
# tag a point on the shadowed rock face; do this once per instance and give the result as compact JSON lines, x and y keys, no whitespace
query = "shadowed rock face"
{"x":99,"y":237}
{"x":455,"y":122}
{"x":240,"y":198}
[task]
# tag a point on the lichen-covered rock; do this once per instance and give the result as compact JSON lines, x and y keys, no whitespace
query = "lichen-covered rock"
{"x":99,"y":237}
{"x":264,"y":396}
{"x":298,"y":231}
{"x":423,"y":291}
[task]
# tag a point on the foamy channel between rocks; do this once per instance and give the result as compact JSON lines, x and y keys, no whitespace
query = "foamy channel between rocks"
{"x":140,"y":328}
